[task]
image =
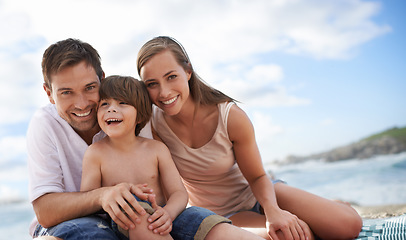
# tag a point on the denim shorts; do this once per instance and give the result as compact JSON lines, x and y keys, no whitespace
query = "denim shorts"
{"x":257,"y":207}
{"x":191,"y":223}
{"x":85,"y":228}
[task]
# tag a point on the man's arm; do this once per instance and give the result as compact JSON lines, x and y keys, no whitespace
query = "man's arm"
{"x":54,"y":208}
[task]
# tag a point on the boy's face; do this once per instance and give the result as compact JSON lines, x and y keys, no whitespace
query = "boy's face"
{"x":116,"y":118}
{"x":75,"y":93}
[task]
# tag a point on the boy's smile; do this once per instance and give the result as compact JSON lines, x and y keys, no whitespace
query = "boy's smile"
{"x":116,"y":118}
{"x":113,"y":121}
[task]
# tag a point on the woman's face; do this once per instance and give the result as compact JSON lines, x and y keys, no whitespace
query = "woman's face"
{"x":166,"y":81}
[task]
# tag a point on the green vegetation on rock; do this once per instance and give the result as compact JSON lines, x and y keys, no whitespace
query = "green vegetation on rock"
{"x":397,"y":133}
{"x":391,"y":141}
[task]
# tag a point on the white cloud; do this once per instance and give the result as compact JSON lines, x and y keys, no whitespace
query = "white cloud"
{"x":230,"y":42}
{"x":321,"y":29}
{"x":12,"y":147}
{"x":20,"y":88}
{"x":230,"y":29}
{"x":267,"y":134}
{"x":258,"y":86}
{"x":13,"y":24}
{"x":264,"y":127}
{"x":266,"y":73}
{"x":8,"y":194}
{"x":278,"y":99}
{"x":327,"y":122}
{"x":14,"y":174}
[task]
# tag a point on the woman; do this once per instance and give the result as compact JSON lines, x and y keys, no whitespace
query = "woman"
{"x":213,"y":145}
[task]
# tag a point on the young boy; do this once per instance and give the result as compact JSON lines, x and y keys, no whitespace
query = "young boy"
{"x":123,"y":156}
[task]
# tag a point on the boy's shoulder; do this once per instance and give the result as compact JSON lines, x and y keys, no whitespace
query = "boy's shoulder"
{"x":152,"y":144}
{"x":98,"y":146}
{"x":149,"y":141}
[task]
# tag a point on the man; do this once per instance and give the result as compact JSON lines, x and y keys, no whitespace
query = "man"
{"x":58,"y":136}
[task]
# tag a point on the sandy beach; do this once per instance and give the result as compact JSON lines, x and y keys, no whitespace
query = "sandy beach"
{"x":381,"y":211}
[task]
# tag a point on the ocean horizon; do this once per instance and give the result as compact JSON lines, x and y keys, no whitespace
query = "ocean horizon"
{"x":376,"y":181}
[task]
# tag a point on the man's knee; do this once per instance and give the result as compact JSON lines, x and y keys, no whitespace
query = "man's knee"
{"x":92,"y":227}
{"x":47,"y":238}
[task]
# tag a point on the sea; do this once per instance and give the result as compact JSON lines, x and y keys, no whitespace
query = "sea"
{"x":375,"y":181}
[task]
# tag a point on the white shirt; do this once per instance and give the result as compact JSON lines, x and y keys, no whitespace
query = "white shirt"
{"x":55,"y":154}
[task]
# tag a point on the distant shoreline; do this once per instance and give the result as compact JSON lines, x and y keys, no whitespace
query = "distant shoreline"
{"x":380,"y":211}
{"x":391,"y":141}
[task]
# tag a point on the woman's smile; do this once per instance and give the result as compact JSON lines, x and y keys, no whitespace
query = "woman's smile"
{"x":170,"y":101}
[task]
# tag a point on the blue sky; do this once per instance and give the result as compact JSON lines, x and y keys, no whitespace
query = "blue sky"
{"x":312,"y":75}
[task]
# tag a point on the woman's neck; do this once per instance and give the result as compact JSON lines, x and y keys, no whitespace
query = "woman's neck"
{"x":195,"y":125}
{"x":187,"y":114}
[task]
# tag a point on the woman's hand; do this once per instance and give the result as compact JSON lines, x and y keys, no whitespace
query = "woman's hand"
{"x":114,"y":200}
{"x":289,"y":224}
{"x":160,"y":220}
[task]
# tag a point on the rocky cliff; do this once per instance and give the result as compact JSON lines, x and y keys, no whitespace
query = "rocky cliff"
{"x":387,"y":142}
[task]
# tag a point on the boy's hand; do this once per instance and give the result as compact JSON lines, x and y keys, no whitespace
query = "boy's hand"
{"x":160,"y":220}
{"x":117,"y":198}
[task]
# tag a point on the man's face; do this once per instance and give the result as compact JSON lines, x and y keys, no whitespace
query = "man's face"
{"x":75,"y":93}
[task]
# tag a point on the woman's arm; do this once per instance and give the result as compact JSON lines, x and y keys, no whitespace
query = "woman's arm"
{"x":241,"y":133}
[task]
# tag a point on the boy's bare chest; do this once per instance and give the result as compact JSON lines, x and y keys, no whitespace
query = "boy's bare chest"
{"x":138,"y":168}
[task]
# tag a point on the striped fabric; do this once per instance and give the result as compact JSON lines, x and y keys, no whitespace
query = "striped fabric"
{"x":384,"y":229}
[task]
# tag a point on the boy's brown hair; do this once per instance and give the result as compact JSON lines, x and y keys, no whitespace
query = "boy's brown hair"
{"x":68,"y":53}
{"x":131,"y":91}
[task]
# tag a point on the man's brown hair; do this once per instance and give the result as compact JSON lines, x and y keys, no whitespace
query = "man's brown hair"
{"x":68,"y":53}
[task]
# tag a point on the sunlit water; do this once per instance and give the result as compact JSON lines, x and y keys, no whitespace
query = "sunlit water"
{"x":375,"y":181}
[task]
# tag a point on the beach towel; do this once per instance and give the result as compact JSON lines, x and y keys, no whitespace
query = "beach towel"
{"x":384,"y":229}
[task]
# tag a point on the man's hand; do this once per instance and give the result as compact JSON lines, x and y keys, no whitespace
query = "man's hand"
{"x":119,"y":198}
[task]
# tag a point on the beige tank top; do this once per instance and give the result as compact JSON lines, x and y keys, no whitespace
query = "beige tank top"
{"x":210,"y":173}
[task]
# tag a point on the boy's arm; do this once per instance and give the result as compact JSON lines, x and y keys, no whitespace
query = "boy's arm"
{"x":175,"y":191}
{"x":91,"y":169}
